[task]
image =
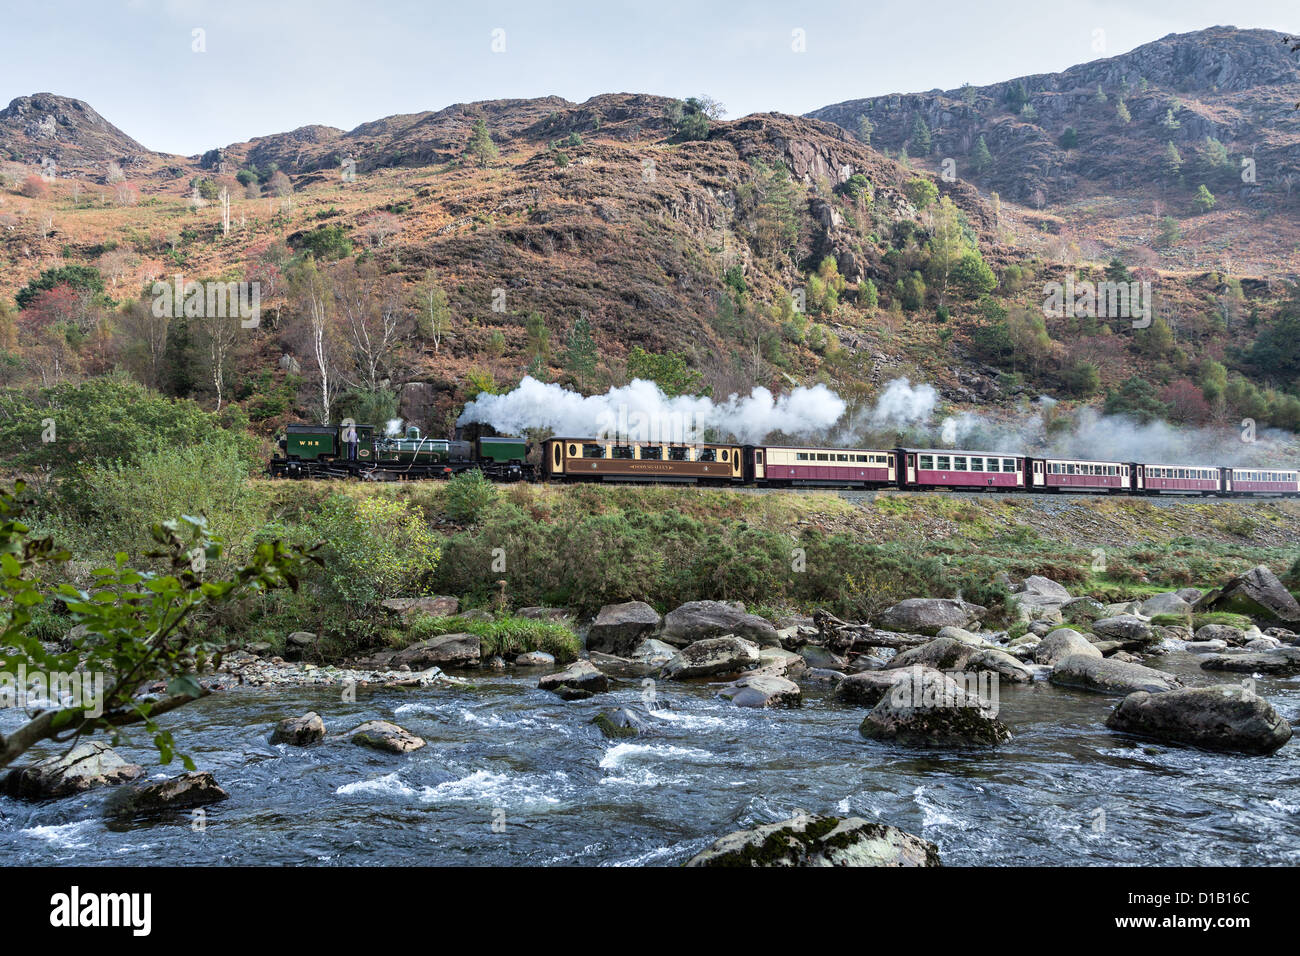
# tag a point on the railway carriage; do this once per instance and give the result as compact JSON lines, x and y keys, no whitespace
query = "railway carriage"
{"x":594,"y":459}
{"x":973,"y":470}
{"x":791,"y":466}
{"x":1261,"y":481}
{"x":1176,"y":479}
{"x":1076,"y":474}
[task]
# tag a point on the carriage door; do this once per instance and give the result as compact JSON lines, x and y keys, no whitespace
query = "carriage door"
{"x":735,"y":463}
{"x":1038,"y":474}
{"x":911,"y":468}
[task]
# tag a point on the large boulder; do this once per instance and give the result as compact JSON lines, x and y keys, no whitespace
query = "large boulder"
{"x":1128,"y":628}
{"x":1167,"y":603}
{"x":928,"y":709}
{"x":1046,"y":587}
{"x":819,"y":841}
{"x":814,"y":655}
{"x":385,"y":736}
{"x":1233,"y":636}
{"x":87,"y":766}
{"x":780,"y":662}
{"x":1257,"y":593}
{"x":618,"y":723}
{"x":653,"y":652}
{"x":763,"y":690}
{"x":299,"y":731}
{"x":1222,"y":717}
{"x":718,"y":655}
{"x":1108,"y":676}
{"x":930,"y":615}
{"x":701,"y":620}
{"x":619,"y":628}
{"x":445,"y":650}
{"x":1060,"y":644}
{"x":868,"y":688}
{"x":943,"y":653}
{"x":579,"y":676}
{"x":1281,"y":661}
{"x":1001,"y":663}
{"x":185,"y":792}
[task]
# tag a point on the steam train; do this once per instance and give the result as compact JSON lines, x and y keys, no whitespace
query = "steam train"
{"x":319,"y":451}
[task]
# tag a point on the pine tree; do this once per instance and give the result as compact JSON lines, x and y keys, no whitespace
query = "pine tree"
{"x":480,"y":145}
{"x":921,"y":142}
{"x":980,"y":157}
{"x":580,"y":356}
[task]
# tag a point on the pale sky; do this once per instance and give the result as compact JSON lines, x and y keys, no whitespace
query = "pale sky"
{"x":272,"y":66}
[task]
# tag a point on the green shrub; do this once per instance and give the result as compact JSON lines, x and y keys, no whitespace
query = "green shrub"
{"x":468,"y":494}
{"x":504,"y":636}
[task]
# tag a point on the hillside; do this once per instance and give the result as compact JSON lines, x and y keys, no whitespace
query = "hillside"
{"x":1091,"y":145}
{"x":632,"y":234}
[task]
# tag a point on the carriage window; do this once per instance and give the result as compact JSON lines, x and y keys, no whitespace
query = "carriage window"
{"x":593,"y":451}
{"x":943,"y":462}
{"x":1008,"y":464}
{"x":801,"y":456}
{"x":677,"y":454}
{"x":621,"y":451}
{"x":843,"y":458}
{"x":977,"y":464}
{"x":573,"y":450}
{"x":758,"y":457}
{"x":652,"y":453}
{"x":707,"y":454}
{"x":822,"y":456}
{"x":724,"y":454}
{"x":927,"y":462}
{"x":959,"y":463}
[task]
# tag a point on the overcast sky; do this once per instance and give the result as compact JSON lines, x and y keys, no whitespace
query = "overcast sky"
{"x":270,"y":66}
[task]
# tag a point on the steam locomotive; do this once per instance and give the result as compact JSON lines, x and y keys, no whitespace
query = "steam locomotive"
{"x":321,"y":451}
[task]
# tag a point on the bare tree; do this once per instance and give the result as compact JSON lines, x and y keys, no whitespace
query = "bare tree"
{"x":316,"y":300}
{"x":374,"y":313}
{"x":434,"y":313}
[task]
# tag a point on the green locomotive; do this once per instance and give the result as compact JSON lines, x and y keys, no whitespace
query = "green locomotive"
{"x":354,"y":451}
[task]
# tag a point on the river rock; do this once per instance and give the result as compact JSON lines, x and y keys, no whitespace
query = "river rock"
{"x":930,"y":615}
{"x":1234,"y":636}
{"x":579,"y":676}
{"x":618,"y":723}
{"x":1082,"y":610}
{"x":943,"y":653}
{"x":654,"y":652}
{"x":445,"y":650}
{"x":1166,"y":603}
{"x":432,"y":605}
{"x":1037,"y":584}
{"x":1060,"y":644}
{"x":817,"y":675}
{"x":1257,"y":593}
{"x":535,"y":659}
{"x":928,"y":709}
{"x":763,"y":690}
{"x":1109,"y":676}
{"x":299,"y":643}
{"x":868,"y":688}
{"x":819,"y":841}
{"x":780,"y":662}
{"x":718,"y":655}
{"x":1222,"y":717}
{"x":385,"y":736}
{"x":1282,"y":662}
{"x":816,"y":656}
{"x":963,"y":635}
{"x":1205,"y":647}
{"x":184,"y":792}
{"x":701,"y":620}
{"x":1126,"y":627}
{"x":87,"y":766}
{"x":1001,"y":663}
{"x":619,"y":628}
{"x":299,"y":731}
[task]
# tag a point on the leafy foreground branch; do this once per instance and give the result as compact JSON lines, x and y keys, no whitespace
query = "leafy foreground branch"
{"x":133,"y":628}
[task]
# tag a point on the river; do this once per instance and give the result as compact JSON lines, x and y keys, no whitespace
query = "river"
{"x":512,"y":775}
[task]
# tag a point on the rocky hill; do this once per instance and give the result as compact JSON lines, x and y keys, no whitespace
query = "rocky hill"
{"x":1237,"y":87}
{"x":43,"y":127}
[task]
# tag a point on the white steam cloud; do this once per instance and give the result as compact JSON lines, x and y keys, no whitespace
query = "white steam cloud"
{"x":902,"y":414}
{"x":640,"y":411}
